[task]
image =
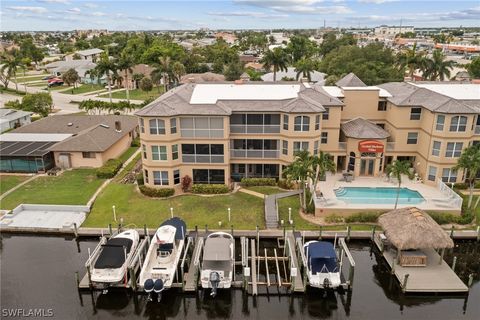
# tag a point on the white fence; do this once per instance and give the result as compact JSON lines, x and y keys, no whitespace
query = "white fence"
{"x":454,"y":199}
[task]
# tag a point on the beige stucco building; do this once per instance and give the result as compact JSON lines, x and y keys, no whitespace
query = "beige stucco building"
{"x":221,"y":132}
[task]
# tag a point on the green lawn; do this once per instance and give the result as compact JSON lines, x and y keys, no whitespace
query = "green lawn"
{"x":265,"y":189}
{"x":128,"y":168}
{"x":27,"y":78}
{"x":12,"y":91}
{"x":134,"y":208}
{"x":85,"y":88}
{"x":72,"y":187}
{"x":136,"y":94}
{"x":128,"y":153}
{"x":7,"y":182}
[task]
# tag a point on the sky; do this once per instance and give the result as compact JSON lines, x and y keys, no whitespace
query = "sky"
{"x":50,"y":15}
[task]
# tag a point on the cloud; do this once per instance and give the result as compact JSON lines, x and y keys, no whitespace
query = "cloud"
{"x":252,"y":14}
{"x":98,"y":14}
{"x":56,"y":1}
{"x":297,"y":6}
{"x":376,"y":1}
{"x":90,"y":5}
{"x":37,"y":10}
{"x":74,"y":10}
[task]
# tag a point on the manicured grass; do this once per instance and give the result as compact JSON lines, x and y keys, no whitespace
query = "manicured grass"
{"x":12,"y":91}
{"x":137,"y":209}
{"x":7,"y":182}
{"x":128,"y":153}
{"x":72,"y":187}
{"x":28,"y":78}
{"x":136,"y":94}
{"x":265,"y":189}
{"x":85,"y":88}
{"x":128,"y":168}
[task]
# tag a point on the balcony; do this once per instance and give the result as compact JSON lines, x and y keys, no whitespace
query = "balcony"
{"x":255,"y":129}
{"x":476,"y":129}
{"x":254,"y":153}
{"x":202,"y":158}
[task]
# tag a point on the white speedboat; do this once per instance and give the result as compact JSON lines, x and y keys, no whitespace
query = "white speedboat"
{"x":110,"y":266}
{"x":163,"y":256}
{"x":322,"y":267}
{"x":218,"y":262}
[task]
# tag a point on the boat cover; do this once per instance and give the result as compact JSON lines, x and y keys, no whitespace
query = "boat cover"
{"x":113,"y":255}
{"x":217,"y":249}
{"x":321,"y":254}
{"x":178,"y":224}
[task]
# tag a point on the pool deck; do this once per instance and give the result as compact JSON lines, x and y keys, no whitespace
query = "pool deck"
{"x":435,"y":200}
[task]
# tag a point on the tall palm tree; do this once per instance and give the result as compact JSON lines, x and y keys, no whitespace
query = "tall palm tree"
{"x":178,"y":70}
{"x":321,"y":164}
{"x":396,"y":170}
{"x":410,"y":59}
{"x":469,"y":161}
{"x":300,"y":170}
{"x":437,"y":67}
{"x":106,"y":66}
{"x":10,"y":63}
{"x":276,"y":58}
{"x":163,"y":68}
{"x":126,"y":64}
{"x":305,"y":67}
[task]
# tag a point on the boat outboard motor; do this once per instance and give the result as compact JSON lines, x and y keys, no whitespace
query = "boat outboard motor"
{"x":326,"y":283}
{"x":214,"y":280}
{"x":158,"y":288}
{"x":148,"y":287}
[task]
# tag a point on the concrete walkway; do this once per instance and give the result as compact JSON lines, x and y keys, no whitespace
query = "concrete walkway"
{"x":271,"y":207}
{"x":251,"y":192}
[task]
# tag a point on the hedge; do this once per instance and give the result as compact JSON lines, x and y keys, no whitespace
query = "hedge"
{"x":363,"y":217}
{"x":251,"y":182}
{"x":285,"y":184}
{"x":139,"y":177}
{"x":209,"y":188}
{"x":446,"y":218}
{"x":156,"y":193}
{"x":465,"y":186}
{"x":109,"y":169}
{"x":334,"y":218}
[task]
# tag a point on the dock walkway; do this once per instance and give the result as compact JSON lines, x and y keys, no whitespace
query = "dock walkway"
{"x":191,"y":277}
{"x":271,"y":207}
{"x":296,"y":279}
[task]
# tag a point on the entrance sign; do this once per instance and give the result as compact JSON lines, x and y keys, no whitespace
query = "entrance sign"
{"x":370,"y":146}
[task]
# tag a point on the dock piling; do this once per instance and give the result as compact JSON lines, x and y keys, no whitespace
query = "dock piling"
{"x":405,"y":280}
{"x":454,"y":264}
{"x":110,"y":229}
{"x":373,"y":232}
{"x":470,"y":280}
{"x":75,"y":229}
{"x":348,"y":232}
{"x":478,"y":234}
{"x":452,"y":232}
{"x":254,"y":270}
{"x":320,"y":233}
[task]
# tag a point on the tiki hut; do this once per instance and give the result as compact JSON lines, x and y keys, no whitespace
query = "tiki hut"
{"x":409,"y":230}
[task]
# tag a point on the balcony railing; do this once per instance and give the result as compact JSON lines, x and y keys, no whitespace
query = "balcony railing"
{"x":202,"y":158}
{"x":477,"y":129}
{"x":257,"y":129}
{"x":264,"y":154}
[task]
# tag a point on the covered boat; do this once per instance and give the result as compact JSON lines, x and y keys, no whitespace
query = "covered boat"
{"x":218,"y":262}
{"x":110,"y":266}
{"x":163,"y":256}
{"x":322,"y":267}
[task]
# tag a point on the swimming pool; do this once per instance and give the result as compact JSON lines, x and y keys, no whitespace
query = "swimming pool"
{"x":360,"y":195}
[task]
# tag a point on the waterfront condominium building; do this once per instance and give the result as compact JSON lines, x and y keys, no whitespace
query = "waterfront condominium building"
{"x":221,"y":132}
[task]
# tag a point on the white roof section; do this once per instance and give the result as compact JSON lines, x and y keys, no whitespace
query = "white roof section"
{"x":38,"y":137}
{"x":211,"y":93}
{"x":316,"y":76}
{"x":89,"y":52}
{"x":460,"y":91}
{"x":338,"y":92}
{"x":12,"y":114}
{"x":165,"y":234}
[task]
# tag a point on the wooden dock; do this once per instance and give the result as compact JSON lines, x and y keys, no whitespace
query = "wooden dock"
{"x":436,"y":277}
{"x":191,"y":278}
{"x":295,"y":270}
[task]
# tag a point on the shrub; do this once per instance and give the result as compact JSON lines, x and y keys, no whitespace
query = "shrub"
{"x":109,"y":169}
{"x":446,"y":218}
{"x":363,"y":217}
{"x":285,"y":184}
{"x":251,"y":182}
{"x":135,"y":142}
{"x":333,"y":218}
{"x":186,"y":183}
{"x":209,"y":188}
{"x":139,"y":177}
{"x":156,"y":193}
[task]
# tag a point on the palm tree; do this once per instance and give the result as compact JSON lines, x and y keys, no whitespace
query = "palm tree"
{"x":9,"y":67}
{"x":321,"y":164}
{"x":305,"y":67}
{"x":126,"y":63}
{"x":178,"y":70}
{"x":396,"y":170}
{"x":163,"y":68}
{"x":276,"y":58}
{"x":410,"y":59}
{"x":437,"y":67}
{"x":105,"y":66}
{"x":300,"y":170}
{"x":469,"y":161}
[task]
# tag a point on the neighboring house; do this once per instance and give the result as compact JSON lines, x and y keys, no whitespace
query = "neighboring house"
{"x":202,"y":77}
{"x":89,"y":54}
{"x":391,"y":31}
{"x":316,"y":76}
{"x":248,"y":58}
{"x":82,"y":67}
{"x":12,"y":119}
{"x":229,"y":38}
{"x":144,"y":69}
{"x":221,"y":132}
{"x":66,"y":141}
{"x":255,"y":66}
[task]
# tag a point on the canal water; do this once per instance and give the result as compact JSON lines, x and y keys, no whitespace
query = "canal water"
{"x":38,"y":273}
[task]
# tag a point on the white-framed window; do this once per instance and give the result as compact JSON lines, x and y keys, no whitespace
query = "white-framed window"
{"x":412,"y":138}
{"x":285,"y":147}
{"x":315,"y":147}
{"x":302,"y":123}
{"x":173,"y":125}
{"x":449,"y":175}
{"x":142,"y":125}
{"x":144,"y":151}
{"x":326,"y":114}
{"x":157,"y":126}
{"x":415,"y":113}
{"x":317,"y":122}
{"x":436,"y":148}
{"x":324,"y":138}
{"x":440,"y":122}
{"x":160,"y":178}
{"x":285,"y":122}
{"x":454,"y":149}
{"x":175,"y":152}
{"x":88,"y":155}
{"x":432,"y":173}
{"x":176,"y":176}
{"x":145,"y":172}
{"x":458,"y":124}
{"x":299,"y":146}
{"x":159,"y":153}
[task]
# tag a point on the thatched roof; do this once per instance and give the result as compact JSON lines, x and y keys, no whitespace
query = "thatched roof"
{"x":411,"y":228}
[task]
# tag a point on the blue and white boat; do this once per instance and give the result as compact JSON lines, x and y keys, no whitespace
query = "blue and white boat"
{"x":322,"y":266}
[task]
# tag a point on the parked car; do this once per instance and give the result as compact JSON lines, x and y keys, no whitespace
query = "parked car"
{"x":58,"y":82}
{"x":49,"y":77}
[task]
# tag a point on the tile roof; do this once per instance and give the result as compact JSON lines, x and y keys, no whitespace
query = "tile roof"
{"x":350,"y":80}
{"x":361,"y":128}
